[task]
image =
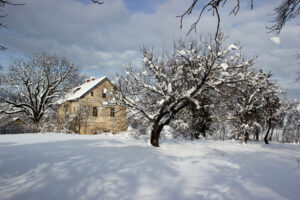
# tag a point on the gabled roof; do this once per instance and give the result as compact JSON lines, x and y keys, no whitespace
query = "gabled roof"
{"x":81,"y":90}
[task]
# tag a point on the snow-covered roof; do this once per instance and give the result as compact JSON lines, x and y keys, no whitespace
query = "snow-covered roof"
{"x":81,"y":90}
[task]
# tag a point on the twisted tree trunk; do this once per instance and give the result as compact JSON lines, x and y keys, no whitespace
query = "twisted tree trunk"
{"x":155,"y":134}
{"x":158,"y":125}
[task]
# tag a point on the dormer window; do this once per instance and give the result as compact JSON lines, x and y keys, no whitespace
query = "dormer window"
{"x":92,"y":93}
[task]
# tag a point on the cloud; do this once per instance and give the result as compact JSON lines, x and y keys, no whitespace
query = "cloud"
{"x":104,"y":39}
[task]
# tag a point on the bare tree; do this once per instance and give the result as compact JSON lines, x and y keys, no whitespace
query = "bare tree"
{"x":81,"y":117}
{"x":76,"y":121}
{"x":287,"y":10}
{"x":31,"y":87}
{"x":171,"y":82}
{"x":3,"y":4}
{"x":298,"y":56}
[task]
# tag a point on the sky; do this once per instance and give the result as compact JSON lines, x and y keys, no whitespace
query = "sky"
{"x":105,"y":39}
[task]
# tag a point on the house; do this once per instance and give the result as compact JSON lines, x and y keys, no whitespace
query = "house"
{"x":89,"y":110}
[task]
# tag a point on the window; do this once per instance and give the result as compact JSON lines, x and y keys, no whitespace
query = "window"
{"x":112,"y":112}
{"x":104,"y":93}
{"x":92,"y":93}
{"x":95,"y":111}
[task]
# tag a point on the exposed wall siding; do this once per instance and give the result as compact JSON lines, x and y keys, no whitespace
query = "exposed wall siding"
{"x":101,"y":122}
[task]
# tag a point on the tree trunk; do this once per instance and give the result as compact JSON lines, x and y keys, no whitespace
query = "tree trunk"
{"x":158,"y":127}
{"x":256,"y":135}
{"x":283,"y":134}
{"x":268,"y":131}
{"x":36,"y":121}
{"x":272,"y":130}
{"x":160,"y":122}
{"x":246,"y":135}
{"x":154,"y":139}
{"x":298,"y":135}
{"x":155,"y":133}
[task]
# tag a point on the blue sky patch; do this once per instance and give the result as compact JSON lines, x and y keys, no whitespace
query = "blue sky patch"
{"x":135,"y":6}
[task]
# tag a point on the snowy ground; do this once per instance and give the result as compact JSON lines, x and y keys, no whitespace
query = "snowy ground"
{"x":61,"y":167}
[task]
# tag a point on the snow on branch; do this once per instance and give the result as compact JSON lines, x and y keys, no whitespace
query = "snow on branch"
{"x":169,"y":83}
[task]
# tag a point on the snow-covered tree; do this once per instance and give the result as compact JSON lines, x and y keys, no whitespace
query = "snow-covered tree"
{"x":272,"y":104}
{"x":291,"y":123}
{"x":221,"y":109}
{"x":193,"y":120}
{"x":254,"y":103}
{"x":167,"y":84}
{"x":31,"y":87}
{"x":245,"y":104}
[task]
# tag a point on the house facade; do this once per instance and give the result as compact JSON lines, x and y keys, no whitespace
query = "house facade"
{"x":88,"y":108}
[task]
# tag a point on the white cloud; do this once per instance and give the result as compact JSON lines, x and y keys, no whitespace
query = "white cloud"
{"x":105,"y":39}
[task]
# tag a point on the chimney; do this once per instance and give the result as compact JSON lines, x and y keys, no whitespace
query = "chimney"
{"x":87,"y":80}
{"x":92,"y":78}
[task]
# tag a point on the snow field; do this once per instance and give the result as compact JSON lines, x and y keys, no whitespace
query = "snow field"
{"x":83,"y":167}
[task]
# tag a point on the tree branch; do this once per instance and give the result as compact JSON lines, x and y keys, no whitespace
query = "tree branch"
{"x":97,"y":2}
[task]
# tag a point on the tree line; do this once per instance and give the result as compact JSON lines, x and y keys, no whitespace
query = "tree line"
{"x":199,"y":84}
